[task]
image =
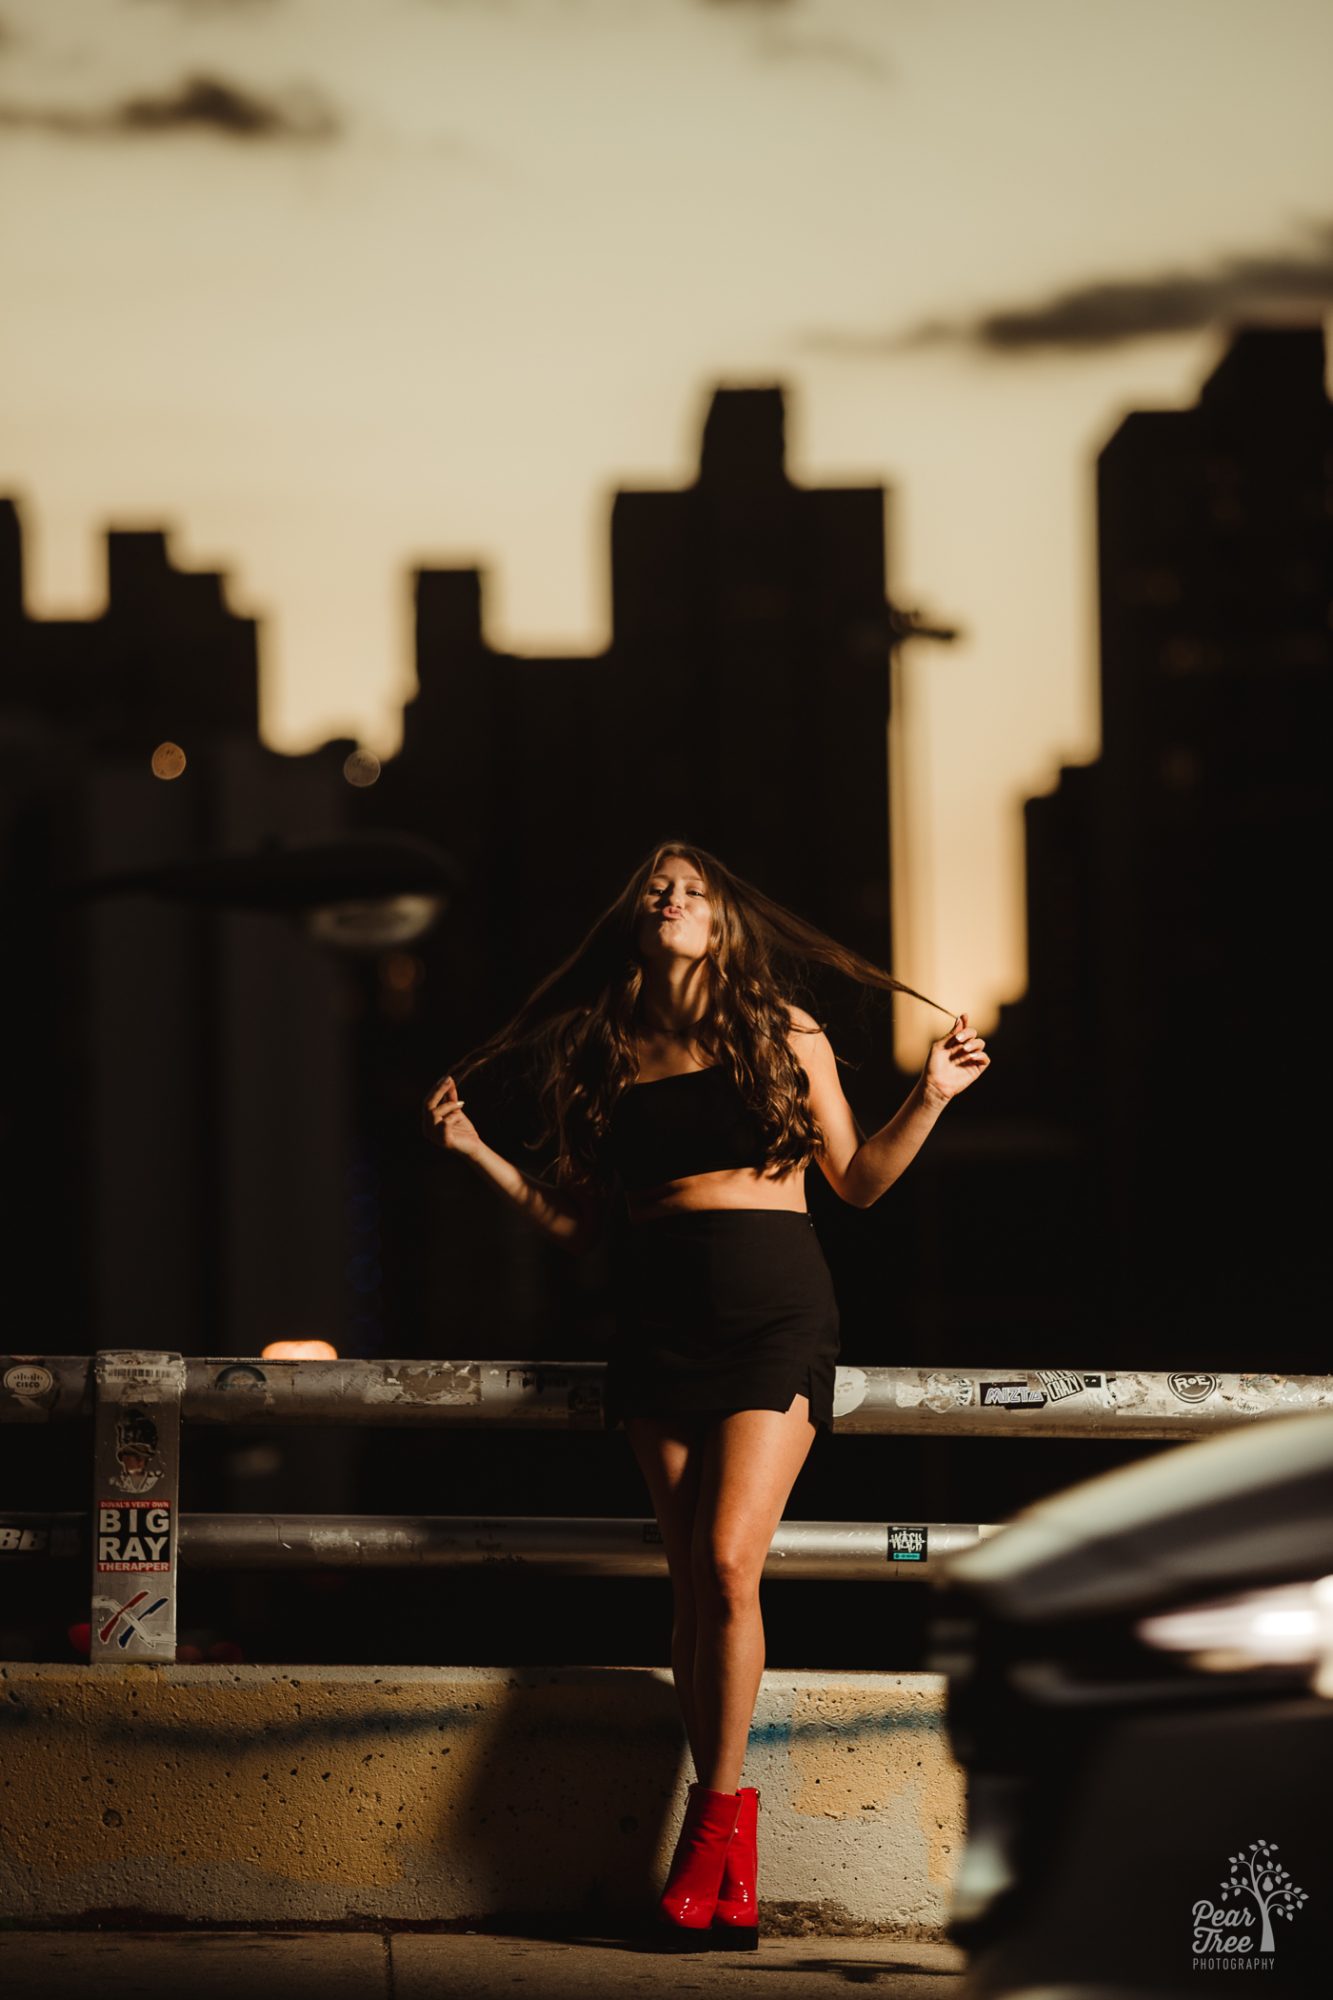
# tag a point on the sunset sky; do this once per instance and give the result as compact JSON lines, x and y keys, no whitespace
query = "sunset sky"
{"x":329,"y":288}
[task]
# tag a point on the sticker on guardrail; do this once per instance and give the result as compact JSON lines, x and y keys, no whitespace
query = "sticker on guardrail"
{"x":131,"y":1537}
{"x":430,"y":1382}
{"x":1191,"y":1388}
{"x":1255,"y":1393}
{"x":584,"y":1399}
{"x":849,"y":1390}
{"x":136,"y":1371}
{"x":1011,"y":1396}
{"x":19,"y":1540}
{"x":137,"y":1453}
{"x":129,"y":1616}
{"x":28,"y":1378}
{"x":907,"y":1545}
{"x":1061,"y":1382}
{"x":943,"y":1393}
{"x":240,"y":1375}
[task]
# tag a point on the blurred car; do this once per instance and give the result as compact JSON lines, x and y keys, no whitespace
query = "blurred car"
{"x":1140,"y":1693}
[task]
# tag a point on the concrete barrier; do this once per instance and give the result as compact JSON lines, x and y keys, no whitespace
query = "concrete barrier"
{"x":261,"y":1795}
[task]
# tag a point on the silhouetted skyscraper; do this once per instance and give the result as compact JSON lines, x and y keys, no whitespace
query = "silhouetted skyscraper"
{"x":171,"y":1151}
{"x":751,"y":644}
{"x":1216,"y":562}
{"x":742,"y":703}
{"x":1173,"y":885}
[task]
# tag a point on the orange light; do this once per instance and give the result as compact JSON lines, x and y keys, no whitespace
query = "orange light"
{"x":401,"y":970}
{"x":299,"y":1350}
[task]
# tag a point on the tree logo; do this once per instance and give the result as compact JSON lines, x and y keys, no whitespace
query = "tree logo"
{"x":1265,"y":1891}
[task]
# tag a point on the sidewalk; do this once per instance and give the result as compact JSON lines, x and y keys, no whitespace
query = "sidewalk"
{"x":402,"y":1965}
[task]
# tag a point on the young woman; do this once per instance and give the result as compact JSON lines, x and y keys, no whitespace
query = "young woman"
{"x":687,"y":1094}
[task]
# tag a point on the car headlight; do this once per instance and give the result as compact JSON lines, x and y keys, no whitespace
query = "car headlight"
{"x":1289,"y":1625}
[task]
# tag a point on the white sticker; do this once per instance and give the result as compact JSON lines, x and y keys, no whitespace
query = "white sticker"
{"x":947,"y":1392}
{"x":1061,"y":1382}
{"x":849,"y":1390}
{"x":136,"y":1371}
{"x":28,"y":1378}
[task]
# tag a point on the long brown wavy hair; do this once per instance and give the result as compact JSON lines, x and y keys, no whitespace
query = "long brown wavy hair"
{"x":579,"y":1026}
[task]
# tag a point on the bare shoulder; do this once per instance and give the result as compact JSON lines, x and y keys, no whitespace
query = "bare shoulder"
{"x":808,"y":1043}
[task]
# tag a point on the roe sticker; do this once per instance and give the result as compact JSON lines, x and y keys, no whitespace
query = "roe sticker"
{"x":1191,"y":1388}
{"x":133,"y":1535}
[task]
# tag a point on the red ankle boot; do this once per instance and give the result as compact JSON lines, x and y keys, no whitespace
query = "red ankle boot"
{"x":736,"y":1915}
{"x":685,"y":1908}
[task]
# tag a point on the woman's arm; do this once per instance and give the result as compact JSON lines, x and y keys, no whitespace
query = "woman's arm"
{"x":886,"y":1154}
{"x":571,"y":1216}
{"x":860,"y":1169}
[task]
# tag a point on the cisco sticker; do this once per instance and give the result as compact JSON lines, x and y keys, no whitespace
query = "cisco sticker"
{"x":28,"y":1378}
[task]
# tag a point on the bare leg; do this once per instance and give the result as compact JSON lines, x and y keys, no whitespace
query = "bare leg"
{"x":750,"y":1464}
{"x":670,"y":1454}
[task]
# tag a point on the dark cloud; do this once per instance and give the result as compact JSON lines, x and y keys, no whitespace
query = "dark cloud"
{"x":1110,"y":310}
{"x":199,"y":104}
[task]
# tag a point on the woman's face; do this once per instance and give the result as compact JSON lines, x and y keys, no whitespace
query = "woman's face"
{"x":675,"y":915}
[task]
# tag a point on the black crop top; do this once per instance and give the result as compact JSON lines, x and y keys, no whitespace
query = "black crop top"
{"x":662,"y":1130}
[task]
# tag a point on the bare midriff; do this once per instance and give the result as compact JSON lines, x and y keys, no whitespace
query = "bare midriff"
{"x":728,"y":1187}
{"x":725,"y":1187}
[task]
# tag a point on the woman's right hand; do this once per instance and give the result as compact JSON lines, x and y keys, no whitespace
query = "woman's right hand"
{"x":444,"y":1124}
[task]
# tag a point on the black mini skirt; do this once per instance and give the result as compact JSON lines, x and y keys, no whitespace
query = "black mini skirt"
{"x":721,"y":1309}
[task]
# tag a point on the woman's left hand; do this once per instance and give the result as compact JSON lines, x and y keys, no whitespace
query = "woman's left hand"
{"x":954,"y":1062}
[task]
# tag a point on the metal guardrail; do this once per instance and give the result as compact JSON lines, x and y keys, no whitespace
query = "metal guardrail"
{"x":567,"y":1545}
{"x":938,"y":1402}
{"x":138,"y":1400}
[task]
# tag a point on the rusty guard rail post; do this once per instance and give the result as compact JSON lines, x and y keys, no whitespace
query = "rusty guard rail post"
{"x":136,"y":1497}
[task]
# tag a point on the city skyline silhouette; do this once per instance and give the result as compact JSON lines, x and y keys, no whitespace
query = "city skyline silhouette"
{"x":767,"y":605}
{"x":212,"y":1140}
{"x":430,"y":285}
